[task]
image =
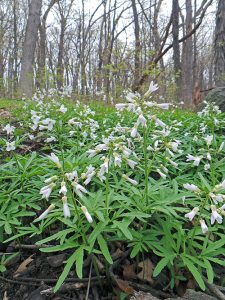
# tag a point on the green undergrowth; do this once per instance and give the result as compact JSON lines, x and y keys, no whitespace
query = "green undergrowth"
{"x":84,"y":179}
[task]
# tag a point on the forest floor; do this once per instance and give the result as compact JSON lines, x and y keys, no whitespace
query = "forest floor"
{"x":32,"y":275}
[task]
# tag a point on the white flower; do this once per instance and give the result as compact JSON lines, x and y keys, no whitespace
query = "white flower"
{"x":152,"y":88}
{"x":220,"y":186}
{"x":215,"y":216}
{"x":51,"y":179}
{"x":49,"y":123}
{"x":89,"y":177}
{"x":165,"y":170}
{"x":132,"y":181}
{"x":63,"y":189}
{"x":196,"y":159}
{"x":101,"y":147}
{"x":221,"y":147}
{"x":92,"y":152}
{"x":86,"y":213}
{"x":117,"y":159}
{"x":66,"y":210}
{"x":173,"y":163}
{"x":104,"y":168}
{"x":120,"y":106}
{"x":164,"y":105}
{"x":50,"y":139}
{"x":206,"y":167}
{"x":141,"y":120}
{"x":195,"y":138}
{"x":45,"y":213}
{"x":55,"y":159}
{"x":10,"y":146}
{"x":204,"y":227}
{"x":126,"y":151}
{"x":31,"y":137}
{"x":71,"y":176}
{"x":208,"y":139}
{"x":192,"y":213}
{"x":174,"y":145}
{"x":208,"y":156}
{"x":78,"y":188}
{"x":46,"y":190}
{"x":161,"y":174}
{"x":131,"y":163}
{"x":9,"y":129}
{"x":191,"y":187}
{"x":160,"y":123}
{"x":63,"y":109}
{"x":134,"y":132}
{"x":217,"y":198}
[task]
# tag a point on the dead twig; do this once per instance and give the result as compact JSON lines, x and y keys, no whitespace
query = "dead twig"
{"x":31,"y":247}
{"x":54,"y":280}
{"x":18,"y":281}
{"x":89,"y":282}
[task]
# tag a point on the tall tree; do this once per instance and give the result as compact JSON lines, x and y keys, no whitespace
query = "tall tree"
{"x":187,"y":57}
{"x":219,"y":45}
{"x":176,"y":48}
{"x":29,"y":46}
{"x":137,"y":62}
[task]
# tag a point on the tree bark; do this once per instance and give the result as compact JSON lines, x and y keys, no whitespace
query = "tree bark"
{"x":137,"y":62}
{"x":29,"y":46}
{"x":176,"y":49}
{"x":187,"y":59}
{"x":219,"y":45}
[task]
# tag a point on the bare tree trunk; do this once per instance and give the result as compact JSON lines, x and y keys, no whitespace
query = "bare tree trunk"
{"x":41,"y":74}
{"x":187,"y":63}
{"x":176,"y":49}
{"x":137,"y":62}
{"x":15,"y":48}
{"x":2,"y":89}
{"x":60,"y":68}
{"x":28,"y":52}
{"x":219,"y":45}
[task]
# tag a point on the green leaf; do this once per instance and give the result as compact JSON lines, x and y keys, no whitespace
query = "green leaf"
{"x":209,"y":270}
{"x":104,"y":248}
{"x":194,"y":271}
{"x":79,"y":261}
{"x":124,"y":228}
{"x":66,"y":270}
{"x":161,"y":265}
{"x":204,"y":181}
{"x":98,"y":229}
{"x":136,"y":250}
{"x":8,"y":228}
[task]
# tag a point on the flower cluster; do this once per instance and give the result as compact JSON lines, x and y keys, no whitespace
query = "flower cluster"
{"x":67,"y":178}
{"x":215,"y":201}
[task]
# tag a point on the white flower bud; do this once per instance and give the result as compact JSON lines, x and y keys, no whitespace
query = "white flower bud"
{"x":86,"y":213}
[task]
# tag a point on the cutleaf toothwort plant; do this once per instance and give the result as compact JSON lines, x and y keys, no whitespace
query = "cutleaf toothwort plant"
{"x":144,"y":174}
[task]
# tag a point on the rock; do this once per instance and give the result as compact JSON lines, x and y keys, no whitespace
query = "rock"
{"x":56,"y":260}
{"x":193,"y":295}
{"x":143,"y":296}
{"x":36,"y":294}
{"x":217,"y":95}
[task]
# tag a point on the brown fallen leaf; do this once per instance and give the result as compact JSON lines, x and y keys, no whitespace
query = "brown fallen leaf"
{"x":147,"y":270}
{"x":125,"y":287}
{"x":23,"y":266}
{"x":129,"y":272}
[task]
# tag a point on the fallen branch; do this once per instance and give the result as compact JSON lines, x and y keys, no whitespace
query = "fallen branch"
{"x":214,"y":289}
